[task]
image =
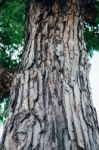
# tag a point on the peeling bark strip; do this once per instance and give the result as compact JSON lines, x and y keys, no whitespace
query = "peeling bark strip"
{"x":51,"y":106}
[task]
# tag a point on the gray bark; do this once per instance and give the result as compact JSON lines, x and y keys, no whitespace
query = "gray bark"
{"x":51,"y":106}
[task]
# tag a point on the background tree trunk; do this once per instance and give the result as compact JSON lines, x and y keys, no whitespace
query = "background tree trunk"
{"x":6,"y":77}
{"x":51,"y":106}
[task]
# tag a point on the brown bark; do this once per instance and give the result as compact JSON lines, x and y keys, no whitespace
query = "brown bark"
{"x":6,"y":77}
{"x":51,"y":106}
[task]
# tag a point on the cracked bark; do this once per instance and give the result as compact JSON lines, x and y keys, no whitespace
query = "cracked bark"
{"x":51,"y":106}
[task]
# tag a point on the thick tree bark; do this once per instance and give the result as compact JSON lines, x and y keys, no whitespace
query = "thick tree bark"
{"x":51,"y":106}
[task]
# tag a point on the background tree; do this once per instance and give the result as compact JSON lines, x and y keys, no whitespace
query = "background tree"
{"x":52,"y":95}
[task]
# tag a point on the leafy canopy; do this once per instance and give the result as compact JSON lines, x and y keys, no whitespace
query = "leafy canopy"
{"x":11,"y":31}
{"x":91,"y":30}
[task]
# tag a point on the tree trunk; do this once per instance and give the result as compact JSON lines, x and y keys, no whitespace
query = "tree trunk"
{"x":51,"y":106}
{"x":6,"y":77}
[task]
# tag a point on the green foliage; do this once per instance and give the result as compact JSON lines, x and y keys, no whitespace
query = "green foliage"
{"x":12,"y":14}
{"x":11,"y":31}
{"x":92,"y":39}
{"x":91,"y":30}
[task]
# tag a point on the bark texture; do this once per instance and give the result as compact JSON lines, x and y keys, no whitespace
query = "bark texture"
{"x":6,"y":77}
{"x":51,"y":106}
